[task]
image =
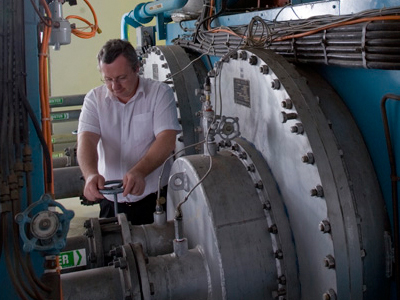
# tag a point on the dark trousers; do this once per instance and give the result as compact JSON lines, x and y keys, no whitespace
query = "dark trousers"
{"x":138,"y":213}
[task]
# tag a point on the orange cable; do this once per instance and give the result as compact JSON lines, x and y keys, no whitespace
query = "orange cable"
{"x":44,"y":95}
{"x":94,"y":27}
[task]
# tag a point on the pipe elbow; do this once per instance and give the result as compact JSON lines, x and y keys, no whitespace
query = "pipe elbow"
{"x":126,"y":20}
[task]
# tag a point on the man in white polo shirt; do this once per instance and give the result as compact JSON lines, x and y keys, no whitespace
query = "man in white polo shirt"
{"x":127,"y":129}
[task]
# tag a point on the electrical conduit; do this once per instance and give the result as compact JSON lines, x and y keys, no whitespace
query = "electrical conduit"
{"x":144,"y":13}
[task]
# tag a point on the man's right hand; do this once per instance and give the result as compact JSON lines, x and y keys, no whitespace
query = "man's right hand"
{"x":92,"y":185}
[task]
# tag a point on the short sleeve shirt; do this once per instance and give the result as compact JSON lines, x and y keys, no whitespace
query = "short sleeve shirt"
{"x":128,"y":130}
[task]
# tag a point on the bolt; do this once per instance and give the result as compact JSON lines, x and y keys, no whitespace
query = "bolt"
{"x":298,"y":128}
{"x":128,"y":295}
{"x":234,"y":55}
{"x":180,"y":138}
{"x":92,"y":257}
{"x":329,"y":295}
{"x":275,"y":84}
{"x":120,"y":263}
{"x":267,"y":206}
{"x":287,"y":104}
{"x":363,"y":253}
{"x":273,"y":229}
{"x":282,"y":279}
{"x":329,"y":262}
{"x":277,"y":294}
{"x":162,"y":57}
{"x":251,"y":168}
{"x":308,"y":158}
{"x":158,"y":52}
{"x":264,"y":69}
{"x":324,"y":226}
{"x":253,"y":60}
{"x":89,"y":232}
{"x":235,"y":147}
{"x":243,"y":55}
{"x":152,"y":292}
{"x":287,"y":116}
{"x":243,"y":155}
{"x":259,"y":185}
{"x":278,"y":254}
{"x":117,"y":252}
{"x":317,"y":191}
{"x":164,"y":65}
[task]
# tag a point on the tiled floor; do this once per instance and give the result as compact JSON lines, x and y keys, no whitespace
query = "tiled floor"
{"x":82,"y":213}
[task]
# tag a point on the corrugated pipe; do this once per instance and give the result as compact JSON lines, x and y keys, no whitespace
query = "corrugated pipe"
{"x":144,"y":13}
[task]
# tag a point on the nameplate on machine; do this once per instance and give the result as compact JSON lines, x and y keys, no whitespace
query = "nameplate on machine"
{"x":241,"y":91}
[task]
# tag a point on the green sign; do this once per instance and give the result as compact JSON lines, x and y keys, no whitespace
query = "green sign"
{"x":56,"y":101}
{"x":59,"y":116}
{"x":73,"y":258}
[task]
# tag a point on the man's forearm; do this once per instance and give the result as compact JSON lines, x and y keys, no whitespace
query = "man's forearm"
{"x":87,"y":153}
{"x":158,"y":152}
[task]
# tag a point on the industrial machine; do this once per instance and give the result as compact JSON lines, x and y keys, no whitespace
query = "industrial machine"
{"x":284,"y":181}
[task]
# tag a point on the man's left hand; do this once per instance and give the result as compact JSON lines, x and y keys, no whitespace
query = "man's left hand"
{"x":134,"y":183}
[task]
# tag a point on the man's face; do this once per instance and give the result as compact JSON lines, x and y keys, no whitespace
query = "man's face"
{"x":120,"y":79}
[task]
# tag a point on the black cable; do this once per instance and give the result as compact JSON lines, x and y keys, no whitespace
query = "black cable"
{"x":39,"y":133}
{"x":394,"y":183}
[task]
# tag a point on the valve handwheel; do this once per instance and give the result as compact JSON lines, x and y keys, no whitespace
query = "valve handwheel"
{"x":113,"y":187}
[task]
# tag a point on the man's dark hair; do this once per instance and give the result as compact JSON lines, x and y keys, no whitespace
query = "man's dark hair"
{"x":114,"y":48}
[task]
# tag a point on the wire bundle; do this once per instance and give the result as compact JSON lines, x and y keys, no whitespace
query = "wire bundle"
{"x":15,"y":153}
{"x":370,"y":39}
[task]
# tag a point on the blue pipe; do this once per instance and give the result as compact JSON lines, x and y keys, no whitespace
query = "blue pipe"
{"x":144,"y":13}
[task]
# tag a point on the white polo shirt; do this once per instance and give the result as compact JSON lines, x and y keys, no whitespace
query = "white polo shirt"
{"x":127,"y":130}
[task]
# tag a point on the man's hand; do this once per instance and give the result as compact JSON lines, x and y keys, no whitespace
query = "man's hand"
{"x":92,"y":185}
{"x":134,"y":183}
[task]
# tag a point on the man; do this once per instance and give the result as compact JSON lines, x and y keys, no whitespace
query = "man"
{"x":127,"y":129}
